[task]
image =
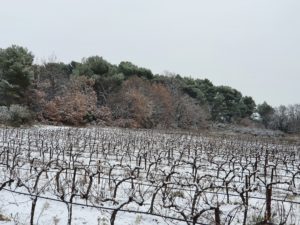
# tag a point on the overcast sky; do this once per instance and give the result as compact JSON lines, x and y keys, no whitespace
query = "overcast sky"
{"x":251,"y":45}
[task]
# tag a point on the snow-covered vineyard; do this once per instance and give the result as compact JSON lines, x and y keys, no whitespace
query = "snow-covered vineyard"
{"x":115,"y":176}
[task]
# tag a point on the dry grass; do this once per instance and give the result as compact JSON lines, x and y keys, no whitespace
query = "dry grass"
{"x":4,"y":218}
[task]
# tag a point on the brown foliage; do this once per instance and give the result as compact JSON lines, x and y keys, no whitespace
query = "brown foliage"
{"x":104,"y":114}
{"x":75,"y":105}
{"x":51,"y":112}
{"x":139,"y":103}
{"x":163,"y":105}
{"x":189,"y":115}
{"x":132,"y":104}
{"x":147,"y":105}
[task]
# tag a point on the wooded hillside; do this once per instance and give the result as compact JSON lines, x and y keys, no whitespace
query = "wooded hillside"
{"x":95,"y":91}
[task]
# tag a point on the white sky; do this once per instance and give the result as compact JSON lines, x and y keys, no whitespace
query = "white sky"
{"x":251,"y":45}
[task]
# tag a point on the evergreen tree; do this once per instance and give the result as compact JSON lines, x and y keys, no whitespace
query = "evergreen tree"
{"x":16,"y":73}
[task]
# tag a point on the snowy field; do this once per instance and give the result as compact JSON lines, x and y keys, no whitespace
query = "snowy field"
{"x":60,"y":175}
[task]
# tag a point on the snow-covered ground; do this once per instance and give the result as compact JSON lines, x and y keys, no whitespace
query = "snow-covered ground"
{"x":17,"y":209}
{"x":160,"y":178}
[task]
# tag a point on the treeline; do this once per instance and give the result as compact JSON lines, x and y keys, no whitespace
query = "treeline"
{"x":95,"y":91}
{"x":284,"y":118}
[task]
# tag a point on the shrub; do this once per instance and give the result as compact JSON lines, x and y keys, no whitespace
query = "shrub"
{"x":5,"y":116}
{"x":19,"y":115}
{"x":15,"y":115}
